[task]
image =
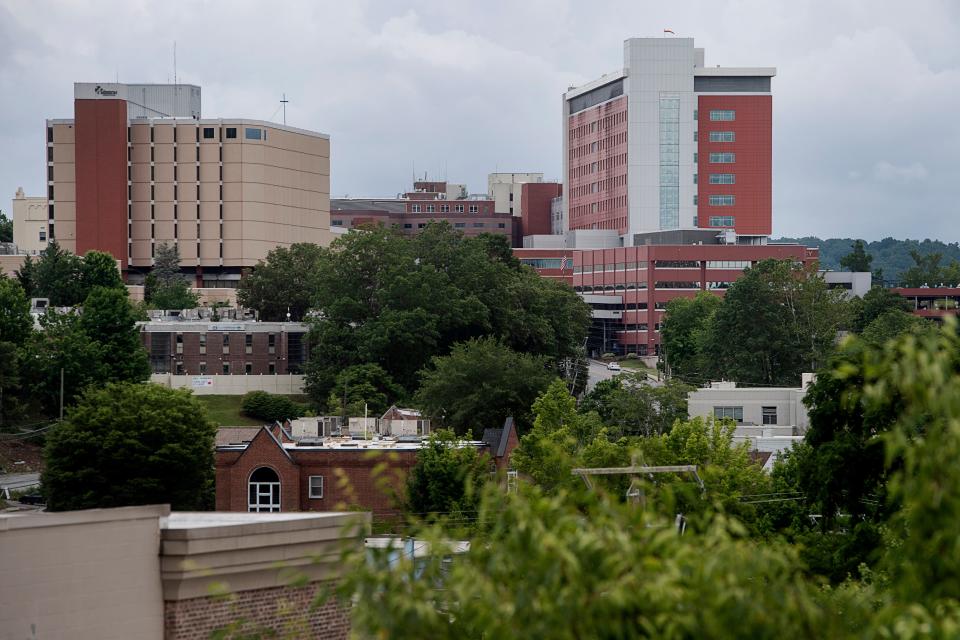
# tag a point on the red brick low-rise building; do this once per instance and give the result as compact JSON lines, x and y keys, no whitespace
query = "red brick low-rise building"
{"x":629,"y":287}
{"x":932,"y":302}
{"x":277,"y":472}
{"x":198,"y":347}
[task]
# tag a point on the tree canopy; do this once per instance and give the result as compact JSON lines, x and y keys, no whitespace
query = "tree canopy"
{"x":858,"y":259}
{"x":129,"y":444}
{"x":480,"y":384}
{"x":6,"y":228}
{"x":866,"y":501}
{"x":381,"y":299}
{"x":776,"y":322}
{"x":447,"y":479}
{"x":65,"y":279}
{"x":282,"y":283}
{"x":165,"y":286}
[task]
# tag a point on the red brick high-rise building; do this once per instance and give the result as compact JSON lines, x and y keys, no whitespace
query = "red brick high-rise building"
{"x":667,"y":143}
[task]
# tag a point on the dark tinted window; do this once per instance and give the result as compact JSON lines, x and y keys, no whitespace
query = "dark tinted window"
{"x":208,"y":132}
{"x":596,"y":96}
{"x":231,"y":132}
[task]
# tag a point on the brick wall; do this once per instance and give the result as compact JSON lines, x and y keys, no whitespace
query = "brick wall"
{"x":283,"y":611}
{"x":369,"y":479}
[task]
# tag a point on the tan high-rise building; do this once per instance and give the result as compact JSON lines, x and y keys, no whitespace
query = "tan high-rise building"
{"x":138,"y":167}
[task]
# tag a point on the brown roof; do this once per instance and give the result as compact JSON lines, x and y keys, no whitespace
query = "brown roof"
{"x":235,"y":435}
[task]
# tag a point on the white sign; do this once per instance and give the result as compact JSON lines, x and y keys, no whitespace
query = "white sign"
{"x":200,"y":382}
{"x":226,"y":326}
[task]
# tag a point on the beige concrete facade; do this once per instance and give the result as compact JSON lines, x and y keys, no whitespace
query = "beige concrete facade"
{"x":143,"y":572}
{"x":504,"y":190}
{"x":214,"y":385}
{"x":224,"y":191}
{"x":29,"y":222}
{"x":82,"y":574}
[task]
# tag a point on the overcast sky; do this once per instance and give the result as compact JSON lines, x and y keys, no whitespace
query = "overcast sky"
{"x":866,"y":133}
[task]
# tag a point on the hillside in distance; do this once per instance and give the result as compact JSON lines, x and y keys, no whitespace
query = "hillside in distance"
{"x":890,"y":255}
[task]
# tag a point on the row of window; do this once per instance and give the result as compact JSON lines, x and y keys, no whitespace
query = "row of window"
{"x":598,"y":125}
{"x":601,"y":185}
{"x":225,"y":368}
{"x":724,"y":157}
{"x":598,"y":207}
{"x":722,"y":221}
{"x":723,"y":115}
{"x":723,"y":136}
{"x":600,"y":165}
{"x":598,"y":145}
{"x":768,"y":415}
{"x":723,"y":178}
{"x":444,"y":208}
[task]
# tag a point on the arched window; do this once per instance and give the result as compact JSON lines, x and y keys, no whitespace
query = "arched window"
{"x":264,"y":490}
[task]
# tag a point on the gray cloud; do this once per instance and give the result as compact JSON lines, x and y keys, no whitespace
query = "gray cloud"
{"x":864,"y":131}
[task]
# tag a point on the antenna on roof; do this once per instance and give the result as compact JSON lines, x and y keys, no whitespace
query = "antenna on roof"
{"x":174,"y":62}
{"x":284,"y":101}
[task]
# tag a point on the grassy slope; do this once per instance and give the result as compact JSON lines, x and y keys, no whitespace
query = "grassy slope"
{"x":225,"y":410}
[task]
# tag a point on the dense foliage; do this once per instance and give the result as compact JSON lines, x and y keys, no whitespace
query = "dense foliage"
{"x":376,"y":298}
{"x":889,"y":256}
{"x":447,"y":479}
{"x":6,"y":228}
{"x":88,"y":347}
{"x":165,"y":287}
{"x":591,"y":564}
{"x":129,"y":444}
{"x":777,"y":321}
{"x":270,"y":407}
{"x":65,"y":279}
{"x":480,"y":384}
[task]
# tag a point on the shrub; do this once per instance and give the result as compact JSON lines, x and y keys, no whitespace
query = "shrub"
{"x":270,"y":408}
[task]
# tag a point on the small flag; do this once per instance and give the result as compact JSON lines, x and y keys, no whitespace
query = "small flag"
{"x":669,"y":31}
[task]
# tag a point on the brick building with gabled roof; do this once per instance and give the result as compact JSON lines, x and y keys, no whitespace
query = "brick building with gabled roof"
{"x":276,"y":471}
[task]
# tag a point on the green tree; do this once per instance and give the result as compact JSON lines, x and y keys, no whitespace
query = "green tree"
{"x":363,"y":385}
{"x":776,"y":322}
{"x":858,"y":259}
{"x":129,"y":444}
{"x":110,"y":320}
{"x":9,"y":383}
{"x":480,"y":384}
{"x":398,"y":302}
{"x":550,"y":568}
{"x":270,"y":407}
{"x":165,"y":287}
{"x":56,"y":276}
{"x":926,"y":270}
{"x":683,"y":334}
{"x":644,"y":409}
{"x":61,"y":345}
{"x":283,"y":282}
{"x":98,"y":269}
{"x":15,"y":321}
{"x":875,"y":303}
{"x":892,"y":324}
{"x":6,"y":228}
{"x":548,"y":452}
{"x":446,"y":480}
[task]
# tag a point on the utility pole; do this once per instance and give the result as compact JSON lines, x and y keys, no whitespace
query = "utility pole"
{"x":61,"y":394}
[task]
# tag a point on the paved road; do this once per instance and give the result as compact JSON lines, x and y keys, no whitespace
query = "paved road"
{"x":598,"y":371}
{"x":17,"y":481}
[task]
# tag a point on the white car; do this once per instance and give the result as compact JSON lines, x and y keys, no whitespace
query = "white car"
{"x":613,"y":366}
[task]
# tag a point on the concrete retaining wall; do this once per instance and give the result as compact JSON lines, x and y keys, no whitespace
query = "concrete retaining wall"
{"x":232,"y":385}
